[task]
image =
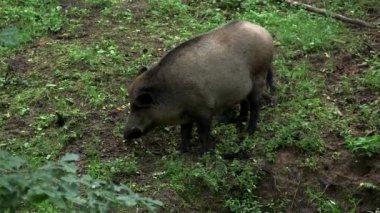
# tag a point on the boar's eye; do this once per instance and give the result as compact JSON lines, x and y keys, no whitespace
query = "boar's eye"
{"x":144,"y":100}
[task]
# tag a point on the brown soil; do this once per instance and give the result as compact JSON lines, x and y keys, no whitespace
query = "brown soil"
{"x":16,"y":127}
{"x":338,"y":174}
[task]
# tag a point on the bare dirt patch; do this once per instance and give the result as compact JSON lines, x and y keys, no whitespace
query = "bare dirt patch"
{"x":340,"y":174}
{"x":15,"y":126}
{"x":138,"y":8}
{"x":17,"y":65}
{"x":110,"y":147}
{"x":70,"y":3}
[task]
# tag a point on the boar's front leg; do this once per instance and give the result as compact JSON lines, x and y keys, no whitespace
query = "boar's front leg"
{"x":185,"y":136}
{"x":204,"y":129}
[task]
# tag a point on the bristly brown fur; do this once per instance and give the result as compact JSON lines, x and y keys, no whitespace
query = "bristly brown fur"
{"x":173,"y":54}
{"x":203,"y":77}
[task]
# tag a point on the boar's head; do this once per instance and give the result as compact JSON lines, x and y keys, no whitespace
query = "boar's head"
{"x":149,"y":107}
{"x":143,"y":107}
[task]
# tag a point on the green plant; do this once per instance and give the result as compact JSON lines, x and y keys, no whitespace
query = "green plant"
{"x":230,"y":141}
{"x":368,"y":114}
{"x":23,"y":101}
{"x":8,"y":37}
{"x":100,"y":3}
{"x":79,"y":55}
{"x":96,"y":97}
{"x":170,"y":8}
{"x":285,"y":26}
{"x":323,"y":204}
{"x":230,"y":5}
{"x":58,"y":183}
{"x":368,"y":146}
{"x":311,"y":163}
{"x":113,"y":169}
{"x":243,"y":205}
{"x":122,"y":15}
{"x":143,"y":60}
{"x":336,"y":155}
{"x":235,"y":181}
{"x":44,"y":121}
{"x":371,"y":77}
{"x":368,"y":185}
{"x":25,"y":20}
{"x":351,"y":7}
{"x":23,"y":111}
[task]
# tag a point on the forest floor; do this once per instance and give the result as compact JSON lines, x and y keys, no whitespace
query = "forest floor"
{"x":317,"y":144}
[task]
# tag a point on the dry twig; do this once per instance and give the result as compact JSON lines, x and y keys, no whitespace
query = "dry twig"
{"x":310,"y":8}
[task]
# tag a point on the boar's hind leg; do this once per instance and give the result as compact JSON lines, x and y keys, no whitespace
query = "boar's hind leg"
{"x":244,"y":105}
{"x":204,"y":129}
{"x":185,"y":136}
{"x":254,"y":107}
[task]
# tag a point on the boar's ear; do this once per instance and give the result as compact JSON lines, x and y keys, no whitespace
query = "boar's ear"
{"x":144,"y":99}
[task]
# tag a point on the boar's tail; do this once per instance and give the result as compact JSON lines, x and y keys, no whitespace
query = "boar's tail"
{"x":270,"y":81}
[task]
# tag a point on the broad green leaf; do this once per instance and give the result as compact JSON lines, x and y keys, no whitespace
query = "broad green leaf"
{"x":70,"y":157}
{"x":7,"y":161}
{"x":127,"y":200}
{"x":9,"y":37}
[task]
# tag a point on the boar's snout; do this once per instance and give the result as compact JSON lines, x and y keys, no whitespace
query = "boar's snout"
{"x":132,"y":133}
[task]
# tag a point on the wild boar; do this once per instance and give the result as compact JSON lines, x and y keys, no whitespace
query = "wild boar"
{"x":201,"y":78}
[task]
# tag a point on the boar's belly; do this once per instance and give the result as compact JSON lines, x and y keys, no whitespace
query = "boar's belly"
{"x":228,"y":93}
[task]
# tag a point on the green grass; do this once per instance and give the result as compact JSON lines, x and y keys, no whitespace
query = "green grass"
{"x":369,"y":146}
{"x":119,"y":168}
{"x":30,"y":19}
{"x":371,"y":78}
{"x":230,"y":181}
{"x":84,"y":77}
{"x":297,"y":30}
{"x":351,"y":8}
{"x":324,"y":205}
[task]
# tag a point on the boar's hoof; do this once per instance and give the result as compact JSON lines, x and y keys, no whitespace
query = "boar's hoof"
{"x":132,"y":133}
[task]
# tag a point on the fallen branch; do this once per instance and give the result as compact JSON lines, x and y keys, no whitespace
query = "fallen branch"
{"x":334,"y":15}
